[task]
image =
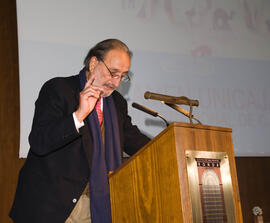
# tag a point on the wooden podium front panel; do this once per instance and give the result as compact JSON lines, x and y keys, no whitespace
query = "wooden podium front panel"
{"x":205,"y":138}
{"x":142,"y":190}
{"x":153,"y":186}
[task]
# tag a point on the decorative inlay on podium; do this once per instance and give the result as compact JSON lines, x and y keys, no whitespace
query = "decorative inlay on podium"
{"x":210,"y":187}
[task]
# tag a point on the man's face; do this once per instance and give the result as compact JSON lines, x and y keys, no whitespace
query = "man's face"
{"x":118,"y":62}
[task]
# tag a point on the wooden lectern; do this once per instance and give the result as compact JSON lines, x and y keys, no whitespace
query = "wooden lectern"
{"x":155,"y":184}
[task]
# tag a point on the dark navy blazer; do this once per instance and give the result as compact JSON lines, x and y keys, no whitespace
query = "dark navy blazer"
{"x":57,"y":167}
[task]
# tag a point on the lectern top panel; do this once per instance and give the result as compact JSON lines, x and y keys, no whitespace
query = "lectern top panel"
{"x":199,"y":126}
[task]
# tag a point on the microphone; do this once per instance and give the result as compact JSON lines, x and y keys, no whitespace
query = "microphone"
{"x":144,"y":109}
{"x":171,"y":99}
{"x":149,"y":111}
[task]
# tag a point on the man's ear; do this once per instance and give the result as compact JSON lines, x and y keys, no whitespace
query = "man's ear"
{"x":93,"y":63}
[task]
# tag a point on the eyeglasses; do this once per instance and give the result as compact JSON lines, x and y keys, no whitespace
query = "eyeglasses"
{"x":124,"y":78}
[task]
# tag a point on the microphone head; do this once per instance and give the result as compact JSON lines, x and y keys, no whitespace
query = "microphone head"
{"x":147,"y":95}
{"x":145,"y":109}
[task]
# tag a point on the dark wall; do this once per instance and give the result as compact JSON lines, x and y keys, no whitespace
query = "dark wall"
{"x":253,"y":173}
{"x":254,"y":185}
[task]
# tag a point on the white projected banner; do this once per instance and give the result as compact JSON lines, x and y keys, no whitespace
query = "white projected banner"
{"x":215,"y":51}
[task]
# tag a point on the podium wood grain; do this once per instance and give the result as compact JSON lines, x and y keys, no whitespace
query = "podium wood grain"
{"x":152,"y":186}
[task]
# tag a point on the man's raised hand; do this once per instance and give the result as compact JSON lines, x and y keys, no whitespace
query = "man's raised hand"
{"x":88,"y":99}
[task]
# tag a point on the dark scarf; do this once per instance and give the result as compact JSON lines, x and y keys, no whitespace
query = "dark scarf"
{"x":103,"y":160}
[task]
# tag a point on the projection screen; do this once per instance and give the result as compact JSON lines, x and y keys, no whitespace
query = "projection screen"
{"x":215,"y":51}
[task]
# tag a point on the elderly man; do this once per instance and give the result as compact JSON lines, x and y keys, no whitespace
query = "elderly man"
{"x":80,"y":129}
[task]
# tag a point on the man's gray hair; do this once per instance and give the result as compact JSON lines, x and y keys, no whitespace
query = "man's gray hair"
{"x":102,"y":48}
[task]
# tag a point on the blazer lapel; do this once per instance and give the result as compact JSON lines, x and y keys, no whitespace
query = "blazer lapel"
{"x":87,"y":142}
{"x":84,"y":131}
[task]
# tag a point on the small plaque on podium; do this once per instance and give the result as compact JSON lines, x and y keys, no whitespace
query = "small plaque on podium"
{"x":210,"y":187}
